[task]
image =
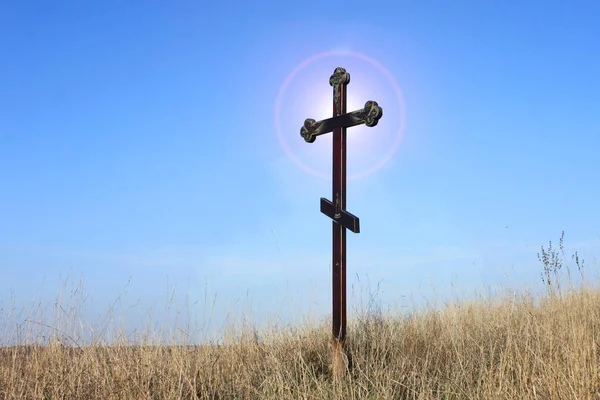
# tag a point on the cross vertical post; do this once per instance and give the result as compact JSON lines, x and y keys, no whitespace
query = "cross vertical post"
{"x":336,"y":209}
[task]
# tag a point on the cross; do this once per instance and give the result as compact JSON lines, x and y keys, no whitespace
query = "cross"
{"x":336,"y":209}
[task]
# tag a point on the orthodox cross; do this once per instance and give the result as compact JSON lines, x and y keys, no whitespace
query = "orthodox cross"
{"x":336,"y":209}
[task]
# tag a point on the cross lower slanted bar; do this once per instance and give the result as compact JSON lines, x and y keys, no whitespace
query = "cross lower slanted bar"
{"x":336,"y":209}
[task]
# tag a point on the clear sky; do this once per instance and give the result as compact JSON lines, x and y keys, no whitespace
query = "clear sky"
{"x":150,"y":146}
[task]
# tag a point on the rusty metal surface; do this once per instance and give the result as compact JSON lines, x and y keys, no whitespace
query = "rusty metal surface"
{"x":336,"y":209}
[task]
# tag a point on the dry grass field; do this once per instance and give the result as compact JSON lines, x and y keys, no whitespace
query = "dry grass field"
{"x":509,"y":347}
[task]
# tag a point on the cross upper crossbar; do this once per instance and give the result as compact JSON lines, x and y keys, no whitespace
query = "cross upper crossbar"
{"x":369,"y":115}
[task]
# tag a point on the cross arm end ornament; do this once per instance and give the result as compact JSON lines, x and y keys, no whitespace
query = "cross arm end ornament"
{"x":369,"y":115}
{"x":339,"y":77}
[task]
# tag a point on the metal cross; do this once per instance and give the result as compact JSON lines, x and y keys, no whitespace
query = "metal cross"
{"x":336,"y":210}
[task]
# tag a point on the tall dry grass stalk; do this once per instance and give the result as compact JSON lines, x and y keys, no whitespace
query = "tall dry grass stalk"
{"x":510,"y":347}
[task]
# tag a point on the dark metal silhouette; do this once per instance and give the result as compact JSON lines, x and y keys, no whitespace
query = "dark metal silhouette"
{"x":336,"y":210}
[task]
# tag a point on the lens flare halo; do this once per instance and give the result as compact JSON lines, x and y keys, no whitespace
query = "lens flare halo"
{"x":401,"y":114}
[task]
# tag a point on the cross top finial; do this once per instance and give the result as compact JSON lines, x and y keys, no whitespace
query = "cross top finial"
{"x":339,"y":77}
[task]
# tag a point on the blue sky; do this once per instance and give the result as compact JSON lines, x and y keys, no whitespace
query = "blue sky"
{"x":139,"y":151}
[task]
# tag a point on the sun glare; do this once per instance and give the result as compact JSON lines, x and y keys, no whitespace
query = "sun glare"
{"x":324,"y":107}
{"x":312,"y":97}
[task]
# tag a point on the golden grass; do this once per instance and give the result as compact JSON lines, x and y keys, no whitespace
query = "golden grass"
{"x":510,"y":347}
